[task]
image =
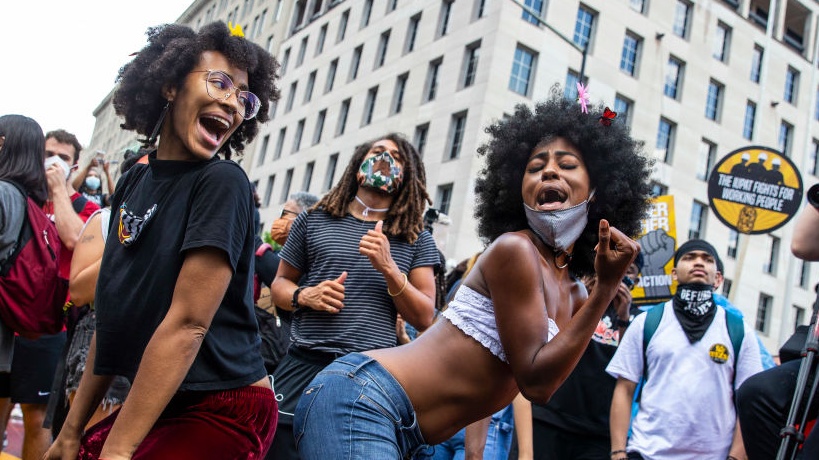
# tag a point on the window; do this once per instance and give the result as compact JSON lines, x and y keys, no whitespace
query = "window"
{"x":285,"y":60}
{"x":696,"y":227}
{"x":622,"y":106}
{"x":319,"y":127}
{"x":308,"y":176}
{"x":322,"y":37}
{"x":470,"y":65}
{"x":443,"y":20}
{"x":331,"y":76}
{"x":673,"y":77}
{"x":302,"y":51}
{"x":813,"y":165}
{"x":456,"y":135}
{"x":682,"y":18}
{"x":804,"y":274}
{"x":366,"y":13}
{"x":263,"y":150}
{"x":291,"y":96}
{"x":272,"y":111}
{"x":269,"y":46}
{"x":398,"y":94}
{"x":791,"y":85}
{"x":432,"y":79}
{"x":342,"y":117}
{"x":443,"y":198}
{"x":522,"y":71}
{"x":638,"y":5}
{"x":570,"y":89}
{"x":722,"y":42}
{"x":356,"y":60}
{"x":756,"y":63}
{"x":631,"y":54}
{"x":279,"y":144}
{"x":311,"y":83}
{"x":537,"y":7}
{"x":480,"y":9}
{"x":658,"y":189}
{"x":297,"y":138}
{"x":583,"y":27}
{"x":342,"y":25}
{"x":268,"y":190}
{"x":798,"y":316}
{"x":748,"y":124}
{"x":381,"y":55}
{"x":773,"y":256}
{"x":391,"y":5}
{"x":412,"y":33}
{"x":763,"y":312}
{"x":713,"y":101}
{"x":785,"y":137}
{"x":288,"y":179}
{"x":708,"y":152}
{"x":369,"y":106}
{"x":420,"y":138}
{"x":726,"y":287}
{"x":733,"y":242}
{"x":665,"y":140}
{"x":329,"y":175}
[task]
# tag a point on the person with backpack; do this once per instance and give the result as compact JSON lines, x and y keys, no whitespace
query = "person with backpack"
{"x":690,"y":357}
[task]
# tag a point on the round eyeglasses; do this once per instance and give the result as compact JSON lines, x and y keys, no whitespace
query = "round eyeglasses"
{"x":220,"y":87}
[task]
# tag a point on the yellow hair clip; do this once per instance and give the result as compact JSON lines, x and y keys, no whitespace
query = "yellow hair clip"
{"x":236,"y":30}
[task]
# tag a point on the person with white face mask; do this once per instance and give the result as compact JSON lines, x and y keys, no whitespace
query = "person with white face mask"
{"x":89,"y":182}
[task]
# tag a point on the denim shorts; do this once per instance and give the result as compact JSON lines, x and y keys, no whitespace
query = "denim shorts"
{"x":355,"y":409}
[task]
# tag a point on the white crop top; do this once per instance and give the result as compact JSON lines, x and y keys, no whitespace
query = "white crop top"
{"x":474,"y":314}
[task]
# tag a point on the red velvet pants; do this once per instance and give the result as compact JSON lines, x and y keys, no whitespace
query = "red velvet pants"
{"x":222,"y":425}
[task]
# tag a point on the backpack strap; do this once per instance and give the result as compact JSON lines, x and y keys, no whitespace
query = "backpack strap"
{"x":653,"y":318}
{"x":736,"y":331}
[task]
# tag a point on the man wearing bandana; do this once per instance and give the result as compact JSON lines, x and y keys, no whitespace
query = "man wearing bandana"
{"x":350,"y":264}
{"x":686,"y":408}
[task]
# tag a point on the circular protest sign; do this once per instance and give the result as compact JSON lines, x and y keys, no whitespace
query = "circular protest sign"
{"x":755,"y":190}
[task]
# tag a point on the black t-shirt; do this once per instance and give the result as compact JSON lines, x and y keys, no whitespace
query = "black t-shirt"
{"x":582,"y":404}
{"x":188,"y":205}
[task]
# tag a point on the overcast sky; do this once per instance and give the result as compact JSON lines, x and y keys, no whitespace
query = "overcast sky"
{"x":59,"y":58}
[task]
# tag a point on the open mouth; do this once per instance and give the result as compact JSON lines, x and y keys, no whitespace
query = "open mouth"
{"x":551,"y":196}
{"x":215,"y":127}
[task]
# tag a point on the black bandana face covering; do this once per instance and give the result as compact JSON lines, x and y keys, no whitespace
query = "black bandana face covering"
{"x":694,"y":308}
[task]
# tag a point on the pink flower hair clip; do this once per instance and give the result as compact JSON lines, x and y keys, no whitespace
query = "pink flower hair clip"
{"x":583,"y":97}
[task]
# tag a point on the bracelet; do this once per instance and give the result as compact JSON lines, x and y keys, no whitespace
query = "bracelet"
{"x":615,"y":452}
{"x":622,"y":323}
{"x":400,"y":291}
{"x":731,"y":457}
{"x":295,"y":302}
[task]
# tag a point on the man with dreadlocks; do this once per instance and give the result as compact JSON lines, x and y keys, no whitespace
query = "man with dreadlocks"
{"x":365,"y":257}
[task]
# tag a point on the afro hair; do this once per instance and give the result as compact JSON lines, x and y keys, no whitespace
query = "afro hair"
{"x":617,"y":169}
{"x":171,"y":53}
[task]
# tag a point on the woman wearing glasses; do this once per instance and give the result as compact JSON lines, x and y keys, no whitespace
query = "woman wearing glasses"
{"x":174,"y":299}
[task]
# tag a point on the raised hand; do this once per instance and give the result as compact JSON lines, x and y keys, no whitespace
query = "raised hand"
{"x":615,"y":252}
{"x":326,"y":296}
{"x":376,"y":247}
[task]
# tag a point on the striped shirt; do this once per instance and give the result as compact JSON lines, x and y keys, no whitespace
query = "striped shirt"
{"x":321,"y":247}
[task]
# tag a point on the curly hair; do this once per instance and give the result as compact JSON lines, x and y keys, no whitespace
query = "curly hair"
{"x":171,"y":53}
{"x":22,"y":155}
{"x":617,"y":169}
{"x":405,"y":218}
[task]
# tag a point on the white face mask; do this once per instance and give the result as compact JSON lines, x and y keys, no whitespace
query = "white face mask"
{"x":55,"y":159}
{"x":561,"y":228}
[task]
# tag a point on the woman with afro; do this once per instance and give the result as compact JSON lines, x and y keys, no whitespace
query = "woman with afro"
{"x":174,"y":299}
{"x":559,"y":194}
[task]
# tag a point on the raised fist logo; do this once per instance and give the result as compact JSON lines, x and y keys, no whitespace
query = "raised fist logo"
{"x":658,"y":249}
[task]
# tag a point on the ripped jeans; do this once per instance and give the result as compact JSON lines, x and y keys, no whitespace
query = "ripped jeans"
{"x":355,"y":409}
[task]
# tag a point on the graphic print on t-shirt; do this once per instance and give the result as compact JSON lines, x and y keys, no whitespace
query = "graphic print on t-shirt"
{"x":605,"y":333}
{"x":131,"y":225}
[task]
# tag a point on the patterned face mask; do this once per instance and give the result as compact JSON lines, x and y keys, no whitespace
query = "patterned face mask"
{"x":131,"y":225}
{"x":381,"y":172}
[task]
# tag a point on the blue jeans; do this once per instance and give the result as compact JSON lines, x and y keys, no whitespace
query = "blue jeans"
{"x":355,"y":409}
{"x":498,"y":439}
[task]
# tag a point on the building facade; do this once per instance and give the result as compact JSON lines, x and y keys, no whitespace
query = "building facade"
{"x":694,"y":80}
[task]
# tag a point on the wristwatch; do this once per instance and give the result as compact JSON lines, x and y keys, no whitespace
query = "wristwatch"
{"x":813,"y":196}
{"x":295,"y":302}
